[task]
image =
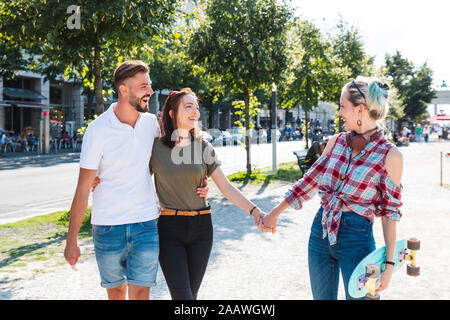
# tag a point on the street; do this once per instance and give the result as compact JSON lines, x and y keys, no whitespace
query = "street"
{"x":41,"y":185}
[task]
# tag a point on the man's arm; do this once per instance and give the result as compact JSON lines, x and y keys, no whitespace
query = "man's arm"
{"x":77,"y":211}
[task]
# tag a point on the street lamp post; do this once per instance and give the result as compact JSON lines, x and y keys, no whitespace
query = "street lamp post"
{"x":273,"y":127}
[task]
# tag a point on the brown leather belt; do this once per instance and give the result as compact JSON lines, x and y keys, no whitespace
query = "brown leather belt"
{"x":174,"y":212}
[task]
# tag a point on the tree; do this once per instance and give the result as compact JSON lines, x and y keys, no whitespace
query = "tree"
{"x":243,"y":43}
{"x":413,"y":84}
{"x":315,"y":74}
{"x":11,"y":58}
{"x":172,"y":68}
{"x":348,"y":48}
{"x":43,"y":27}
{"x":419,"y":93}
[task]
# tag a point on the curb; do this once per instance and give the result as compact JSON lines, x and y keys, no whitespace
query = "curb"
{"x":40,"y":156}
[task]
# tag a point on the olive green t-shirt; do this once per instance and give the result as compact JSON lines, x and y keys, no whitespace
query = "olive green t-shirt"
{"x":180,"y":171}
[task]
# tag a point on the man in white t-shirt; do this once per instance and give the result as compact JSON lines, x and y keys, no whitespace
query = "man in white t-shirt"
{"x":117,"y":147}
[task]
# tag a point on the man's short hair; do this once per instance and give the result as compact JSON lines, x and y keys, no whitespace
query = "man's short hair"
{"x":128,"y":69}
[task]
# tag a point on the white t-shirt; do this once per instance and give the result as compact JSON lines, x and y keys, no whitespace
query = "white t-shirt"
{"x":121,"y":155}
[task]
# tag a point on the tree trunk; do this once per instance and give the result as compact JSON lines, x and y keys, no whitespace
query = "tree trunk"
{"x":90,"y":99}
{"x":98,"y":83}
{"x":247,"y":130}
{"x":307,"y":129}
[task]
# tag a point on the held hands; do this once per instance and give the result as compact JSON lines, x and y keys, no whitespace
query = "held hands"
{"x":259,"y":217}
{"x":270,"y":221}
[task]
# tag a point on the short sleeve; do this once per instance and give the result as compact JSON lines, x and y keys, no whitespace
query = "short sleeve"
{"x":91,"y":150}
{"x":157,"y":130}
{"x":210,"y":158}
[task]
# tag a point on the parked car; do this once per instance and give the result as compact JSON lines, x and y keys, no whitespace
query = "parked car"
{"x":216,"y":135}
{"x":227,"y":138}
{"x":237,"y":135}
{"x":207,"y":136}
{"x":220,"y":138}
{"x":258,"y":136}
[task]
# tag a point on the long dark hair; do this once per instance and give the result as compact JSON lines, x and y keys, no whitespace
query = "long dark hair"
{"x":167,"y":124}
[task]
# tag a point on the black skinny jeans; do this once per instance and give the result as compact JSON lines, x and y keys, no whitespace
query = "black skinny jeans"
{"x":185,"y":244}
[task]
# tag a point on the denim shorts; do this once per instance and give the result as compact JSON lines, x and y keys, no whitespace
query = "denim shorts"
{"x":127,"y":253}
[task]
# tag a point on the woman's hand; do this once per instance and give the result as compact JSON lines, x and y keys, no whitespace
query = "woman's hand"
{"x":258,"y":216}
{"x":385,"y":278}
{"x":270,"y":221}
{"x":203,"y":192}
{"x":95,"y":183}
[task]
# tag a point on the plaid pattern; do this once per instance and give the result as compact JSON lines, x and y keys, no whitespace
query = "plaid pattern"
{"x":367,"y":188}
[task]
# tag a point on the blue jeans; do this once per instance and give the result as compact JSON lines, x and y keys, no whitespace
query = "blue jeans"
{"x":127,"y":253}
{"x":354,"y":241}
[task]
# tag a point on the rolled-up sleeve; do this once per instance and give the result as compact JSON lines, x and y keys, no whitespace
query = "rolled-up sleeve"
{"x":306,"y":188}
{"x":390,"y":202}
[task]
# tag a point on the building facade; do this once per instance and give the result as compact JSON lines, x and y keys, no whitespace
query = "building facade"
{"x":29,"y":104}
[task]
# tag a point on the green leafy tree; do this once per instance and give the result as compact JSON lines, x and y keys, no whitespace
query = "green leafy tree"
{"x":172,"y":68}
{"x":243,"y":43}
{"x":348,"y":46}
{"x":239,"y":106}
{"x":11,"y":58}
{"x":348,"y":49}
{"x":413,"y":85}
{"x":45,"y":28}
{"x":314,"y":75}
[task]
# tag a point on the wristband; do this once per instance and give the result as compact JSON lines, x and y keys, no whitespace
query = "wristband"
{"x":390,"y":262}
{"x":251,"y":211}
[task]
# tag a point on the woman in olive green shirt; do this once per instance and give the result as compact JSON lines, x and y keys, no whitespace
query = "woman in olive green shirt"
{"x":180,"y":161}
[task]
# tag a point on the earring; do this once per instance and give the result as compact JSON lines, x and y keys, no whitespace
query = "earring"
{"x":359,"y":123}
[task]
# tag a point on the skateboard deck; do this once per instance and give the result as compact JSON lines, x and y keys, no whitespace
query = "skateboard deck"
{"x":357,"y":285}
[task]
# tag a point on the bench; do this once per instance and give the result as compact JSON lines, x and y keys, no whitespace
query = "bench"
{"x":301,"y":160}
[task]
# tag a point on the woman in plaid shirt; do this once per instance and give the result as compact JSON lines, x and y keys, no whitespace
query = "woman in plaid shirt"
{"x":358,"y":178}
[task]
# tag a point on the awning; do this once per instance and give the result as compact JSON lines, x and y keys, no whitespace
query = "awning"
{"x":437,"y":118}
{"x":24,"y":105}
{"x":32,"y":105}
{"x":22,"y":93}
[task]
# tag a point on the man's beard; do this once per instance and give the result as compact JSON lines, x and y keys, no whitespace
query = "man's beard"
{"x":136,"y":103}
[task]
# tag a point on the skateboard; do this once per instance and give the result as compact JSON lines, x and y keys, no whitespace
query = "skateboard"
{"x":366,"y":277}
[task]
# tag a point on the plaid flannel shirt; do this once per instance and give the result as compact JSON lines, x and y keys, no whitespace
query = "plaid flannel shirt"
{"x":366,"y":188}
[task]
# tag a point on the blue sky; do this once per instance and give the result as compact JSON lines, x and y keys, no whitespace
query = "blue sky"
{"x":420,"y":30}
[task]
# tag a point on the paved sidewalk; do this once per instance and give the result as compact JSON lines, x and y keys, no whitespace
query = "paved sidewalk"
{"x":246,"y":264}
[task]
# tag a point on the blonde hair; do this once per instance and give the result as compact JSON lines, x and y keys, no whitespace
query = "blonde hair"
{"x":370,"y":92}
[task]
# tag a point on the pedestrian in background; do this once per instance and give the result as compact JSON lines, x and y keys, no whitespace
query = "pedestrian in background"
{"x":426,"y":133}
{"x":419,"y":131}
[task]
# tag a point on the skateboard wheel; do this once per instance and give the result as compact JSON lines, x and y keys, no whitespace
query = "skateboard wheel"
{"x":413,"y":244}
{"x":412,"y":271}
{"x":370,"y":297}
